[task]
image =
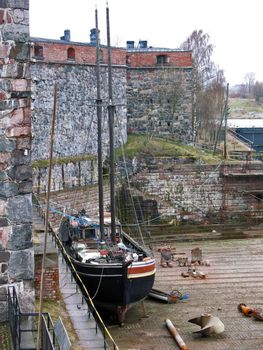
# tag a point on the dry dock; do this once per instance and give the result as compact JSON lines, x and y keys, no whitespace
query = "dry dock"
{"x":235,"y":276}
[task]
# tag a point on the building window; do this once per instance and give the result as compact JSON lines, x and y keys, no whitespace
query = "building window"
{"x":38,"y":51}
{"x":128,"y":60}
{"x":163,"y":59}
{"x":71,"y":54}
{"x":101,"y":56}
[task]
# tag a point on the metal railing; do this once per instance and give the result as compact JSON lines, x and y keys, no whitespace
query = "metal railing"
{"x":23,"y":326}
{"x":109,"y":343}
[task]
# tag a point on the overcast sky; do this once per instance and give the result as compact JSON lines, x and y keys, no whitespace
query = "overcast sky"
{"x":234,"y":26}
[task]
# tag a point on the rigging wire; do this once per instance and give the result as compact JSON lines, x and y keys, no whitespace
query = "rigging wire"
{"x":129,"y":188}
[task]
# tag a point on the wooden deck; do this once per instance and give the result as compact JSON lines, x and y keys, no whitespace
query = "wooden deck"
{"x":235,"y":275}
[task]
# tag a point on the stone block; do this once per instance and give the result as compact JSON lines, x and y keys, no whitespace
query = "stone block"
{"x":24,"y":102}
{"x":25,"y":187}
{"x":7,"y":145}
{"x":21,"y":265}
{"x":4,"y":235}
{"x":20,"y":85}
{"x":8,"y":189}
{"x":19,"y":209}
{"x":3,"y":177}
{"x":4,"y":161}
{"x":3,"y":268}
{"x":9,"y":70}
{"x":6,"y":105}
{"x":20,"y":172}
{"x":20,"y":16}
{"x":4,"y":95}
{"x":19,"y":157}
{"x":18,"y":33}
{"x":18,"y":131}
{"x":5,"y":48}
{"x":2,"y":207}
{"x":20,"y":237}
{"x":3,"y":280}
{"x":20,"y":4}
{"x":23,"y":143}
{"x":4,"y":256}
{"x":3,"y":222}
{"x":17,"y":117}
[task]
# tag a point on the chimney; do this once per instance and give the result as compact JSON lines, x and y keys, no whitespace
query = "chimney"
{"x":143,"y":44}
{"x":66,"y":36}
{"x":93,"y":36}
{"x":130,"y":44}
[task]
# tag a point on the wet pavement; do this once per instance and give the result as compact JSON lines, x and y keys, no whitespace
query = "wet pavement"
{"x":235,"y":276}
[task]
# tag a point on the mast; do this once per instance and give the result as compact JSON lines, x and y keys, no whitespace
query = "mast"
{"x":99,"y":117}
{"x":111,"y":110}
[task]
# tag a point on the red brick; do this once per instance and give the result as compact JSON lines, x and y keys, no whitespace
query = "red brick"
{"x":149,"y":58}
{"x":3,"y":95}
{"x":57,"y":52}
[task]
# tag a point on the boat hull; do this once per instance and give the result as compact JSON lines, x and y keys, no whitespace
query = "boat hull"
{"x":115,"y":283}
{"x":115,"y":286}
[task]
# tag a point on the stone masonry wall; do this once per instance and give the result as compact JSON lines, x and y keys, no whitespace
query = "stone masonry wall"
{"x":160,"y":101}
{"x":16,"y":252}
{"x":66,"y":175}
{"x":76,"y":120}
{"x":205,"y":192}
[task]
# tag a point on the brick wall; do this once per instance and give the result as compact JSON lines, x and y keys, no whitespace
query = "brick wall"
{"x":57,"y":51}
{"x":148,"y":58}
{"x":51,"y":287}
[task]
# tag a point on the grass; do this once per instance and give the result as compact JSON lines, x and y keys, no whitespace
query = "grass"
{"x":56,"y":309}
{"x":43,"y":163}
{"x":5,"y":338}
{"x":142,"y":145}
{"x":242,"y":106}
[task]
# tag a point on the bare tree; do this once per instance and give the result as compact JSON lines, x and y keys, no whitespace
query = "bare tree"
{"x":206,"y":81}
{"x":250,"y":80}
{"x":258,"y":91}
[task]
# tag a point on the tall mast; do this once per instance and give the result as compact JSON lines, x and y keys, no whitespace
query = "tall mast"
{"x":111,"y":110}
{"x":99,"y":117}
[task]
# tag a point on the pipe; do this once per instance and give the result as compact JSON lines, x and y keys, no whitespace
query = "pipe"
{"x":175,"y":334}
{"x":246,"y":310}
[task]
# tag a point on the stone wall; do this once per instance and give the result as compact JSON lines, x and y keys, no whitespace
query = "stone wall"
{"x":66,"y":175}
{"x":76,"y":120}
{"x":16,"y":252}
{"x":205,"y":192}
{"x":160,"y":101}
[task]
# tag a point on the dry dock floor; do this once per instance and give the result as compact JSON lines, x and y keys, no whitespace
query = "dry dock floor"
{"x":235,"y":276}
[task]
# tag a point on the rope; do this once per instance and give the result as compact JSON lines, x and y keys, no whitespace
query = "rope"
{"x":98,"y":285}
{"x":129,"y":187}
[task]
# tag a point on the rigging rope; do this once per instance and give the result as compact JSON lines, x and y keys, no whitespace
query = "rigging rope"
{"x":129,"y":188}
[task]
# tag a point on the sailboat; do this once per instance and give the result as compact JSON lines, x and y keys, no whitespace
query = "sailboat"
{"x":115,"y":269}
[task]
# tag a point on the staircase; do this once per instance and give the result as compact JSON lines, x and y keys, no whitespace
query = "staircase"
{"x":71,"y":201}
